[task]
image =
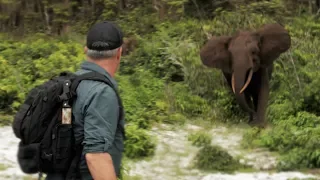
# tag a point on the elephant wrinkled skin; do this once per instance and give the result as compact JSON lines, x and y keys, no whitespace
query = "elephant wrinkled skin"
{"x":246,"y":60}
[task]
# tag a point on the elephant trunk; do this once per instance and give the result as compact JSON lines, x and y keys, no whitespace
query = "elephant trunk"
{"x":239,"y":84}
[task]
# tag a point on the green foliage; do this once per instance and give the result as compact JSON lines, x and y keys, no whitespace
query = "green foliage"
{"x":183,"y":101}
{"x":200,"y":138}
{"x":139,"y":143}
{"x":171,"y":54}
{"x":140,"y":92}
{"x":174,"y":118}
{"x":296,"y":138}
{"x":128,"y":19}
{"x":125,"y":171}
{"x":25,"y":65}
{"x":3,"y":167}
{"x":5,"y":119}
{"x":229,"y":108}
{"x":165,"y":52}
{"x":250,"y":138}
{"x":214,"y":158}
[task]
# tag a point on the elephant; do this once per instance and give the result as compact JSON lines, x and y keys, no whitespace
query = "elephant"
{"x":246,"y":60}
{"x":129,"y":44}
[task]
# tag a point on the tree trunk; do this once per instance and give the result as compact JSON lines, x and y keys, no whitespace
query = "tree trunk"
{"x":65,"y":25}
{"x":122,"y":5}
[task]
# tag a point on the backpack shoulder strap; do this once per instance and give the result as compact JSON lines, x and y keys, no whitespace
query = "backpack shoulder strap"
{"x":95,"y":76}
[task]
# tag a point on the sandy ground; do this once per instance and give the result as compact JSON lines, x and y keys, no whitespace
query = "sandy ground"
{"x":174,"y":155}
{"x":172,"y":160}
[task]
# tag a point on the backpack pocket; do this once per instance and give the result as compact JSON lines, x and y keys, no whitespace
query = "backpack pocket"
{"x":64,"y":150}
{"x":28,"y":157}
{"x":18,"y":120}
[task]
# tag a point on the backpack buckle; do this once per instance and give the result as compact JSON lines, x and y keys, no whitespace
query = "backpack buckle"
{"x":66,"y":94}
{"x":46,"y":156}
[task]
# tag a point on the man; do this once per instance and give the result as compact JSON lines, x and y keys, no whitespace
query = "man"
{"x":96,"y":109}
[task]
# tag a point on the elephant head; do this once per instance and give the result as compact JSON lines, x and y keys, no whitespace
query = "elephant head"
{"x":245,"y":53}
{"x":129,"y":45}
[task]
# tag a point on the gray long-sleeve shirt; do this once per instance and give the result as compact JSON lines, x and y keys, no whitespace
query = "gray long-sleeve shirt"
{"x":95,"y":119}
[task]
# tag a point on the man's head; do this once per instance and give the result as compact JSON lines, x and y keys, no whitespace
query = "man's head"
{"x":104,"y":43}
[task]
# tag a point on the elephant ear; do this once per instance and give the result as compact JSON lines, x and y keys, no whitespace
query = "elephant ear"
{"x":215,"y":53}
{"x":275,"y":40}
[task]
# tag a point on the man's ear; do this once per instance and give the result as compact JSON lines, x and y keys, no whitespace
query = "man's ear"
{"x":85,"y":49}
{"x":119,"y":53}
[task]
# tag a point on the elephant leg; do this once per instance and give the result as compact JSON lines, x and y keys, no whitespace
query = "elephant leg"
{"x":251,"y":105}
{"x":253,"y":116}
{"x":260,"y":98}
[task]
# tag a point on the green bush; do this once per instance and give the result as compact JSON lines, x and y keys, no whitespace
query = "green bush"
{"x":298,"y":158}
{"x":214,"y":158}
{"x":185,"y":102}
{"x":5,"y":120}
{"x":176,"y":118}
{"x":229,"y":109}
{"x":295,"y":138}
{"x":24,"y":65}
{"x":138,"y":143}
{"x":200,"y":138}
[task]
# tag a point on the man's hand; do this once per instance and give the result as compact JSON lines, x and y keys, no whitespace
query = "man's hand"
{"x":101,"y":166}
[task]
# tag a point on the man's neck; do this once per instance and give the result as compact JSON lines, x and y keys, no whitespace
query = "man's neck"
{"x":107,"y":65}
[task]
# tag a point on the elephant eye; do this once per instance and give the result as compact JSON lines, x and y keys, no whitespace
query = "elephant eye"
{"x":256,"y":60}
{"x":255,"y":51}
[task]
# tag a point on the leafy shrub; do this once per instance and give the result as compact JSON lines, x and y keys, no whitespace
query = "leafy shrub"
{"x":214,"y":158}
{"x":142,"y":95}
{"x":183,"y":101}
{"x":295,"y":138}
{"x":200,"y":138}
{"x":174,"y":118}
{"x":229,"y":109}
{"x":298,"y":158}
{"x":138,"y":143}
{"x":25,"y":65}
{"x":5,"y":119}
{"x":250,"y":138}
{"x":125,"y":171}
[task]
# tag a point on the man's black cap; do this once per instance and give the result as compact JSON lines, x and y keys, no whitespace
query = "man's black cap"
{"x":104,"y":36}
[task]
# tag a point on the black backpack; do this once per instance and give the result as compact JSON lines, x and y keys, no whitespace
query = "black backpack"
{"x":46,"y":144}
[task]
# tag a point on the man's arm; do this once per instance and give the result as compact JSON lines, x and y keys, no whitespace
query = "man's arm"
{"x":101,"y":166}
{"x":100,"y":124}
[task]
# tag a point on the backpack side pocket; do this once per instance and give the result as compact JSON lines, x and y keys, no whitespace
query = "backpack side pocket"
{"x":28,"y":157}
{"x":63,"y":147}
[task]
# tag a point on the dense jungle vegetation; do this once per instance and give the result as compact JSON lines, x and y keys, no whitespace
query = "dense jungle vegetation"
{"x":161,"y":77}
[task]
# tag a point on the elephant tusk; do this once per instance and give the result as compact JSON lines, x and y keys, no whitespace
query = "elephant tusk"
{"x":233,"y":84}
{"x":248,"y":81}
